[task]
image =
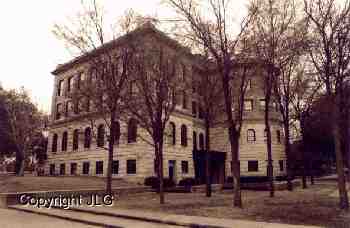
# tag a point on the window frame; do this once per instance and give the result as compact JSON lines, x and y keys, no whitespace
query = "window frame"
{"x":251,"y":138}
{"x":131,"y":163}
{"x":99,"y":168}
{"x":184,"y":167}
{"x":253,"y":166}
{"x":184,"y":135}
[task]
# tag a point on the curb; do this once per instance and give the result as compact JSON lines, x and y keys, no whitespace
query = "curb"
{"x":146,"y":219}
{"x":65,"y":218}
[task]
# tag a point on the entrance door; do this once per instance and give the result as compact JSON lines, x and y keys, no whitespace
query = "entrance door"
{"x":172,"y":170}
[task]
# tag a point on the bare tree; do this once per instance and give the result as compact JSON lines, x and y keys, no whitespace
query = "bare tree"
{"x":25,"y":124}
{"x":100,"y":89}
{"x":213,"y":32}
{"x":305,"y":90}
{"x":209,"y":100}
{"x":330,"y":54}
{"x":156,"y":83}
{"x":277,"y":39}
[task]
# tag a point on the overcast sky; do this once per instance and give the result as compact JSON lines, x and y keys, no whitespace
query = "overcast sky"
{"x":28,"y":49}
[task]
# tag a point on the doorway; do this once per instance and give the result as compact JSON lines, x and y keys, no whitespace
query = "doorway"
{"x":172,"y":170}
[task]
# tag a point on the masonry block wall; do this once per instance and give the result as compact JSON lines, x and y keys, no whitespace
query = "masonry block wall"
{"x":135,"y":160}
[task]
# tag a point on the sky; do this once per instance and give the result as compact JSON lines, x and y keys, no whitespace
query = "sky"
{"x":29,"y":52}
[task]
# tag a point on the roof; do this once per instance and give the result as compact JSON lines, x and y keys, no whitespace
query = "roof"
{"x":141,"y":30}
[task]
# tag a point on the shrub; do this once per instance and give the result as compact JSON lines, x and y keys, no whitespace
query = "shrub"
{"x":189,"y":181}
{"x":168,"y":183}
{"x":152,"y":181}
{"x":229,"y":179}
{"x":254,"y":179}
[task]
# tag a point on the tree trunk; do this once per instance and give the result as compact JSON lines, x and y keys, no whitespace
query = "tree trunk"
{"x":236,"y":174}
{"x":161,"y":172}
{"x":343,"y":195}
{"x":304,"y":169}
{"x":311,"y":170}
{"x":207,"y":159}
{"x":20,"y":162}
{"x":110,"y":154}
{"x":287,"y":149}
{"x":303,"y":149}
{"x":269,"y":148}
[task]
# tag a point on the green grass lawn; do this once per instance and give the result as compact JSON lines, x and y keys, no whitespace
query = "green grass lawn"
{"x":43,"y":183}
{"x":312,"y":206}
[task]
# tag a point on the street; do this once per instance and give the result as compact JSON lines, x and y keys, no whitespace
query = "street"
{"x":18,"y":219}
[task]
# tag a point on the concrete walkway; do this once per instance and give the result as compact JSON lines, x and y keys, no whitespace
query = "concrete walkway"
{"x":110,"y":213}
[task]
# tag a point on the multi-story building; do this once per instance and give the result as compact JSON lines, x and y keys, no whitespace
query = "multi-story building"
{"x":183,"y":150}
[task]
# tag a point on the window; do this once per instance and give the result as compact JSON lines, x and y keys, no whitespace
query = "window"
{"x":87,"y":105}
{"x":101,"y":135}
{"x":86,"y":167}
{"x":184,"y":100}
{"x":278,"y":134}
{"x":132,"y":131}
{"x":131,"y":166}
{"x":68,"y":108}
{"x":200,"y":112}
{"x":75,"y":139}
{"x":248,"y":105}
{"x":194,"y":138}
{"x":184,"y":167}
{"x":58,"y":111}
{"x":194,"y":108}
{"x":63,"y":169}
{"x":59,"y":87}
{"x":115,"y":167}
{"x":117,"y":132}
{"x":64,"y":141}
{"x":183,"y":135}
{"x":262,"y":104}
{"x":99,"y":167}
{"x":253,"y":166}
{"x":173,"y":132}
{"x":73,"y":169}
{"x":69,"y":84}
{"x":78,"y":80}
{"x":54,"y":143}
{"x":184,"y":72}
{"x":52,"y":169}
{"x":201,"y":141}
{"x":87,"y":138}
{"x":76,"y":107}
{"x":251,"y":135}
{"x":281,"y":165}
{"x":249,"y":84}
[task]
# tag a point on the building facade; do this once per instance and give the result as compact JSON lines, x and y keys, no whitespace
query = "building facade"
{"x":73,"y":151}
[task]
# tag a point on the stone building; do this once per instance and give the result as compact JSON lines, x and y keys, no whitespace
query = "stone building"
{"x":183,"y":151}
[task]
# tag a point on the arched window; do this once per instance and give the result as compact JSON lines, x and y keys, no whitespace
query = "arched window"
{"x":201,"y":141}
{"x":172,"y":133}
{"x":278,"y":134}
{"x":87,"y":137}
{"x":101,"y":135}
{"x":64,"y":141}
{"x":117,"y":132}
{"x":75,"y":139}
{"x":184,"y":100}
{"x":132,"y":130}
{"x":194,"y":140}
{"x":265,"y":135}
{"x":183,"y":135}
{"x":251,"y":135}
{"x":54,"y":143}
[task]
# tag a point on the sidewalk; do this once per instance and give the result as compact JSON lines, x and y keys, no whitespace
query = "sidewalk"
{"x":181,"y":220}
